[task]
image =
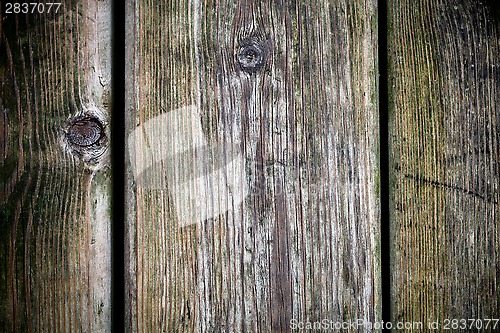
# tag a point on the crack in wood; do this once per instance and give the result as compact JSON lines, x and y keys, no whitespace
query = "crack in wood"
{"x":428,"y":181}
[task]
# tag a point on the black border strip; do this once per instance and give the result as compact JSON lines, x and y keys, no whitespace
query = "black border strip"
{"x":118,"y":166}
{"x":385,"y":238}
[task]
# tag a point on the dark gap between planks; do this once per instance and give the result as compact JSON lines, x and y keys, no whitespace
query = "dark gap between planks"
{"x":385,"y":238}
{"x":118,"y":167}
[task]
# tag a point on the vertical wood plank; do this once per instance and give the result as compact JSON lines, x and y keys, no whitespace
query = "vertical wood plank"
{"x":445,"y":150}
{"x":55,"y":199}
{"x":252,"y":189}
{"x":161,"y":256}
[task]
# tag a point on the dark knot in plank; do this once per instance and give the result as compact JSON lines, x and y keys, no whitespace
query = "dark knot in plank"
{"x":252,"y":55}
{"x":86,"y":138}
{"x":85,"y":132}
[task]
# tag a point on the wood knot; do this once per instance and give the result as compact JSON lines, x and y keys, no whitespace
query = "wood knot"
{"x":85,"y":132}
{"x":85,"y":137}
{"x":252,"y":55}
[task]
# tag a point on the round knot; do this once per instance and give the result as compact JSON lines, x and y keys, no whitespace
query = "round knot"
{"x":251,"y":56}
{"x":85,"y":132}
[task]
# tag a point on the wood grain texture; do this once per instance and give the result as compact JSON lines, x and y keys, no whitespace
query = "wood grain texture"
{"x":445,"y":151}
{"x":290,"y":88}
{"x":55,"y":199}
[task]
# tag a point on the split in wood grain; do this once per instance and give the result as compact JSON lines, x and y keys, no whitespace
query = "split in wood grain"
{"x":428,"y":181}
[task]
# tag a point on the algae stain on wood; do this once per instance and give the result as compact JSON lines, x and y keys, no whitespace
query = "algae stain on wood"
{"x":445,"y":153}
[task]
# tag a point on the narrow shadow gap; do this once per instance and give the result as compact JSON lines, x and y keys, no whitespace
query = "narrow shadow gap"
{"x":118,"y":166}
{"x":383,"y":31}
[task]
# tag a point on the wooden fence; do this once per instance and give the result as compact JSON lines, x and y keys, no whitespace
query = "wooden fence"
{"x":253,"y":177}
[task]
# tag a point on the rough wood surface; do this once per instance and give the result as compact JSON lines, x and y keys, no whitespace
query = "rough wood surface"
{"x":271,"y":102}
{"x":445,"y":148}
{"x":55,"y":213}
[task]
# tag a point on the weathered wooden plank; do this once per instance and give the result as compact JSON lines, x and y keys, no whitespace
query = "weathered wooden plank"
{"x":445,"y":151}
{"x":161,"y":256}
{"x":55,"y":213}
{"x":252,"y":188}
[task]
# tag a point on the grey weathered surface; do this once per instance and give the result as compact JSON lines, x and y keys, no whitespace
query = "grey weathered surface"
{"x":55,"y":207}
{"x":300,"y":110}
{"x":445,"y":154}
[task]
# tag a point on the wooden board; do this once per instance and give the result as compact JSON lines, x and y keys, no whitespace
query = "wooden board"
{"x":55,"y":199}
{"x":445,"y":153}
{"x":252,"y":189}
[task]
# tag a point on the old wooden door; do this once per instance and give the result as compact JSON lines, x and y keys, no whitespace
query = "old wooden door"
{"x":252,"y":170}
